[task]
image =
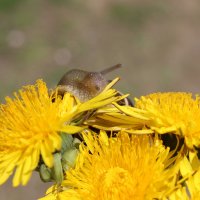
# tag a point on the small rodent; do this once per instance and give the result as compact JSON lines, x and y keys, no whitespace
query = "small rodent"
{"x":84,"y":85}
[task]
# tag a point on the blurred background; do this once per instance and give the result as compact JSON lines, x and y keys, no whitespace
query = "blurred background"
{"x":156,"y":41}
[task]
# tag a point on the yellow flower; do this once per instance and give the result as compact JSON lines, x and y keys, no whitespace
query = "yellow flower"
{"x":175,"y":112}
{"x":31,"y":123}
{"x":125,"y":167}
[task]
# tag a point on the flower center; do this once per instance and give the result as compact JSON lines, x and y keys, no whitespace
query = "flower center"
{"x":116,"y":182}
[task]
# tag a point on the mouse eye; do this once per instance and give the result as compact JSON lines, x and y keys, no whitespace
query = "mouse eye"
{"x":97,"y":87}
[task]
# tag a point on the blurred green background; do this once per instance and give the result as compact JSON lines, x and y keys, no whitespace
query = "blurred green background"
{"x":156,"y":41}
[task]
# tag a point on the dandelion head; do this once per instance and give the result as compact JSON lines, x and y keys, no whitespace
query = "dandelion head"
{"x":176,"y":112}
{"x":29,"y":127}
{"x":125,"y":167}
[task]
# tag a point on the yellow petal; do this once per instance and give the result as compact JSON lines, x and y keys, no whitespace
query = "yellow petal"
{"x":72,"y":129}
{"x":46,"y":155}
{"x":185,"y":167}
{"x":18,"y":175}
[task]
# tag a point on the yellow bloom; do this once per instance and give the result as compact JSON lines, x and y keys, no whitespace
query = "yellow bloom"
{"x":125,"y":167}
{"x":30,"y":126}
{"x":175,"y":112}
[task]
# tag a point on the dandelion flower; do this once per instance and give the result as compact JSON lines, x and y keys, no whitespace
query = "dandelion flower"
{"x":125,"y":167}
{"x":175,"y":112}
{"x":30,"y":127}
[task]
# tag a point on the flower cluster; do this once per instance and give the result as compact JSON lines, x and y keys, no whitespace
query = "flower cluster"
{"x":102,"y":149}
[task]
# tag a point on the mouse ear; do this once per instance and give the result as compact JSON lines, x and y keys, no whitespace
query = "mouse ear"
{"x":109,"y":81}
{"x":125,"y":101}
{"x":110,"y":69}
